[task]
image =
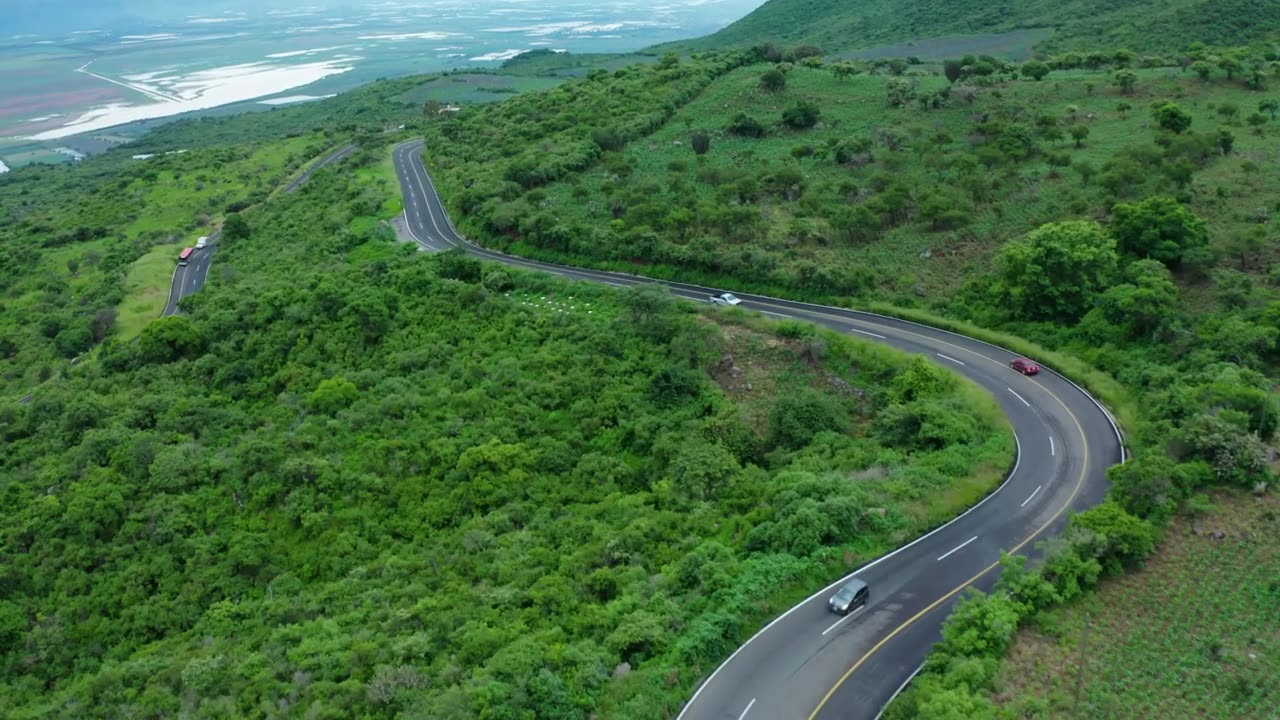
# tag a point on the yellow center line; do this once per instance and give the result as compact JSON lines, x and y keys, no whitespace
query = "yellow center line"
{"x":1074,"y":492}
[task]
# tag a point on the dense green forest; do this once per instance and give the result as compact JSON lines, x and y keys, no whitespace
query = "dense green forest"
{"x":357,"y":480}
{"x":1141,"y":25}
{"x":84,"y":247}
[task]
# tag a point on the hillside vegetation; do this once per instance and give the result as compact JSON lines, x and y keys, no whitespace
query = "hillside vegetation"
{"x":70,"y":235}
{"x":359,"y":481}
{"x":87,"y":249}
{"x":1114,"y":210}
{"x":1140,"y":25}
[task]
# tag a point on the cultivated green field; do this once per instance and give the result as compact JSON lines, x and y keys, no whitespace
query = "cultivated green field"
{"x":1193,"y":635}
{"x":475,"y":88}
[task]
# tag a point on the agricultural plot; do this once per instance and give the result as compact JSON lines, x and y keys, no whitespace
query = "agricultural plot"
{"x":475,"y":88}
{"x":1194,"y":634}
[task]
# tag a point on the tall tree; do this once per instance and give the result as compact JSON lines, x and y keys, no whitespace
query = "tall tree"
{"x":1126,"y":80}
{"x":1057,"y":270}
{"x":1035,"y":69}
{"x":1159,"y":228}
{"x":1171,"y":117}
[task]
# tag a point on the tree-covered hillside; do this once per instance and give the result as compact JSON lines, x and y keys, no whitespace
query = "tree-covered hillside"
{"x":1112,"y":208}
{"x":1140,"y":25}
{"x":359,"y":481}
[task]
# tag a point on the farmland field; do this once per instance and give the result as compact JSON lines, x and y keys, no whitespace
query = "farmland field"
{"x":115,"y":72}
{"x":1193,"y":635}
{"x":475,"y":88}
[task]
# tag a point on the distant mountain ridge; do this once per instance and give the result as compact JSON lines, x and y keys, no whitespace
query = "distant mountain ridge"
{"x":1139,"y":25}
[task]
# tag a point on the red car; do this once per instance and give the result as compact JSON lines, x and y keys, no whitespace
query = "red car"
{"x":1024,"y":366}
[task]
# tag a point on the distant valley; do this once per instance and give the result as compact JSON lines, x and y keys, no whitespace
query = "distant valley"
{"x":89,"y":77}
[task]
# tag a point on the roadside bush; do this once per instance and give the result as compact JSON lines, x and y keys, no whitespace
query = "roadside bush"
{"x":1150,"y":486}
{"x":925,"y":425}
{"x":170,"y":338}
{"x":1070,"y":566}
{"x":1120,"y":540}
{"x":980,"y":625}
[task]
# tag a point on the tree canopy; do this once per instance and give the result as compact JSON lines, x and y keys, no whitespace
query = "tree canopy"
{"x":1057,"y":270}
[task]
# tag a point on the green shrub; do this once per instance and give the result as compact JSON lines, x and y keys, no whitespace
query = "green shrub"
{"x":1120,"y":540}
{"x":795,"y":419}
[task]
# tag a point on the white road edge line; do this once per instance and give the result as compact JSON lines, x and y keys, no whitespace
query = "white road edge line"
{"x":766,"y":312}
{"x":1033,"y":494}
{"x":1015,"y":394}
{"x":864,"y":332}
{"x":846,"y":617}
{"x":172,"y":281}
{"x":744,"y":712}
{"x":1017,"y":461}
{"x":948,"y":357}
{"x":898,"y":692}
{"x":948,"y":553}
{"x":1051,"y":449}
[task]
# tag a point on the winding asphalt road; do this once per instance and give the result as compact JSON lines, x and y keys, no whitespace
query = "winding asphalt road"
{"x":189,"y":278}
{"x":808,"y":662}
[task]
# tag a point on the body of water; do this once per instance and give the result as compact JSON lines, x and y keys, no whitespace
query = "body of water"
{"x":89,"y":80}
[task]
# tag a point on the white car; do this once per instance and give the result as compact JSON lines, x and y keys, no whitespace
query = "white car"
{"x":725,"y":299}
{"x":201,"y":243}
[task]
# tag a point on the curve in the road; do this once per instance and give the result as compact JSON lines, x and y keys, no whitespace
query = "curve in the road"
{"x":808,"y":663}
{"x":188,"y":279}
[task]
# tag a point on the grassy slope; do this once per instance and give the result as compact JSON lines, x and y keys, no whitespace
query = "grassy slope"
{"x":146,"y":288}
{"x":856,"y":107}
{"x":1192,"y":635}
{"x":1139,"y":25}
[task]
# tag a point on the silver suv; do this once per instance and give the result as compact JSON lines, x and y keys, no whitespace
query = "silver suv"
{"x":851,"y":596}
